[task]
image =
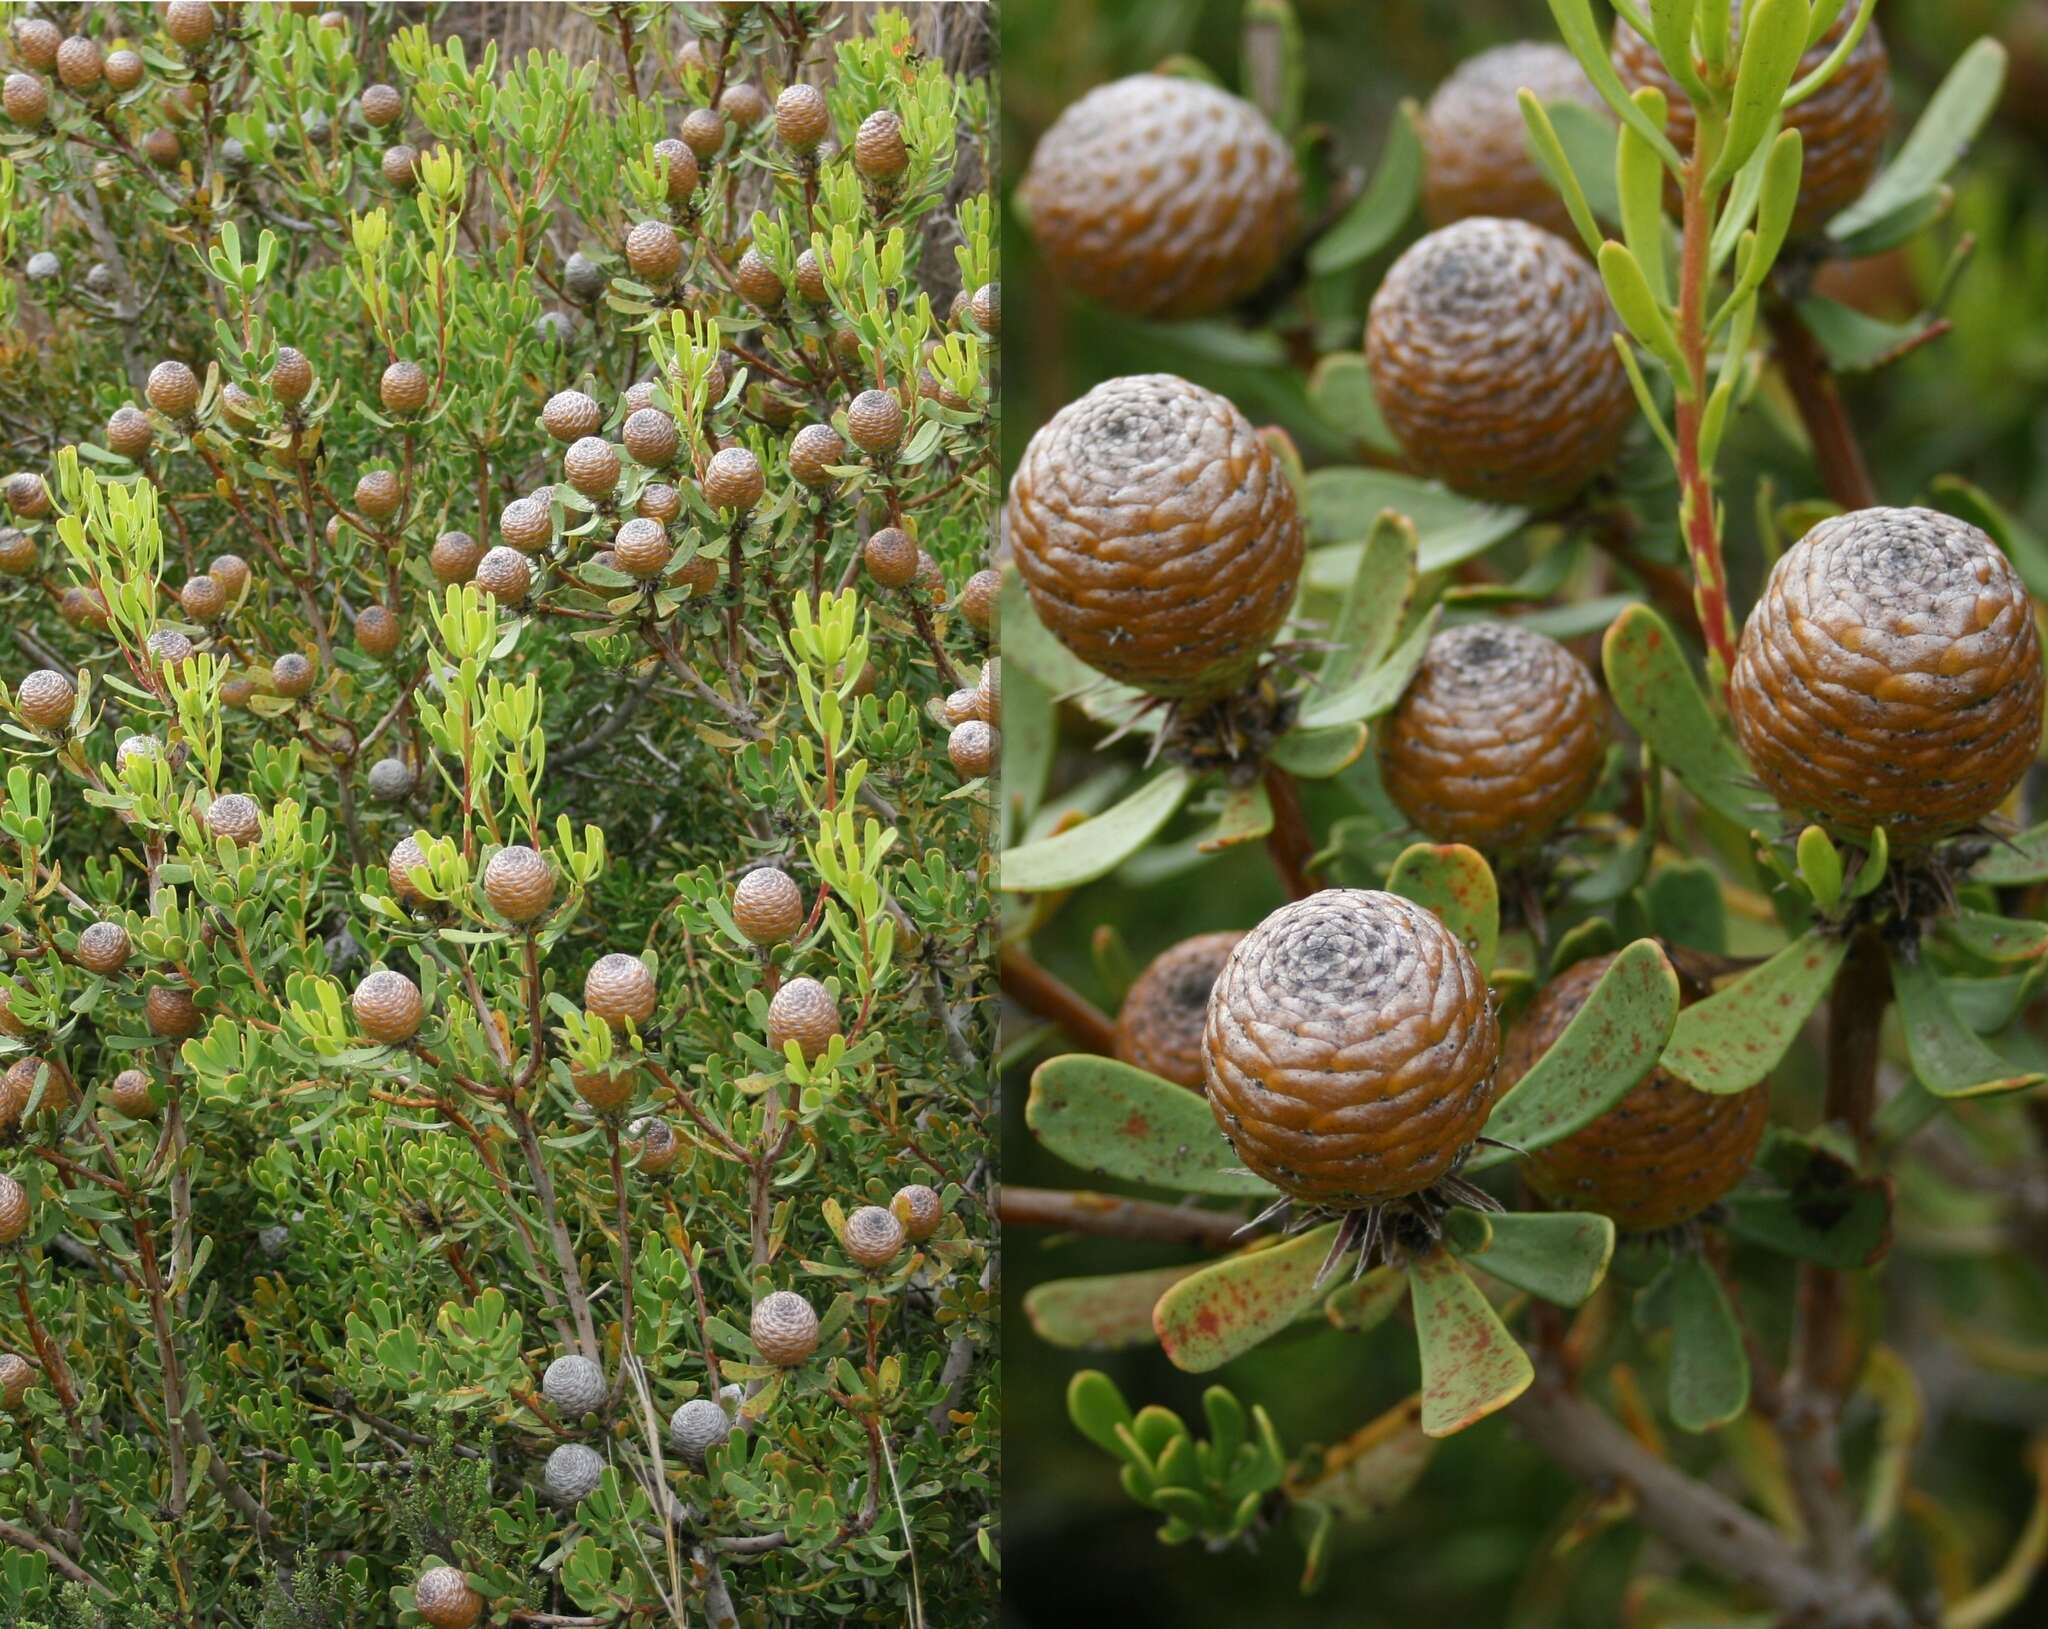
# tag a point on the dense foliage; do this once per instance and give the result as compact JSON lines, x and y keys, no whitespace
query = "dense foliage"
{"x":1731,"y":1310}
{"x":496,"y":1111}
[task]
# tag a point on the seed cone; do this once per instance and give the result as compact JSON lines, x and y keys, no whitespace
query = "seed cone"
{"x":696,"y":1428}
{"x":18,"y":1089}
{"x":1843,"y":124}
{"x":874,"y":419}
{"x":1351,"y":1047}
{"x":879,"y":151}
{"x":443,"y":1597}
{"x":14,"y":1212}
{"x":45,"y":699}
{"x":733,"y":480}
{"x":103,"y":947}
{"x":784,"y":1327}
{"x":767,"y":905}
{"x":1498,"y":739}
{"x":1158,"y":534}
{"x":387,"y":1007}
{"x":1476,"y":146}
{"x":803,"y":1011}
{"x":131,"y":1095}
{"x":17,"y":1375}
{"x":169,"y":1011}
{"x":574,"y":1385}
{"x":573,"y":1472}
{"x":890,"y":557}
{"x":618,"y":987}
{"x":873,"y":1237}
{"x":1662,"y":1154}
{"x":653,"y":1144}
{"x":919,"y":1209}
{"x":1159,"y":1027}
{"x":1162,"y":197}
{"x":1492,"y":351}
{"x":518,"y":883}
{"x":1890,"y":675}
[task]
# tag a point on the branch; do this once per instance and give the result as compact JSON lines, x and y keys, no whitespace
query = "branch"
{"x":1111,"y":1217}
{"x":1038,"y":991}
{"x":1700,"y":1522}
{"x":1843,"y":469}
{"x":21,"y":1539}
{"x":1291,"y":843}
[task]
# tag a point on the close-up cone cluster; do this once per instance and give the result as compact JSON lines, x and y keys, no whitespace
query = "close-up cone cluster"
{"x":1542,"y":949}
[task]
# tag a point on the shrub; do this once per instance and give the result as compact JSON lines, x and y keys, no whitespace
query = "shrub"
{"x":1491,"y":1095}
{"x":422,"y":640}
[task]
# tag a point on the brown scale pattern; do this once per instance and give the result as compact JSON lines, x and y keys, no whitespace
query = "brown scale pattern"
{"x":1162,"y":197}
{"x":1491,"y":344}
{"x":1664,"y":1153}
{"x":1158,"y":534}
{"x":1475,"y":144}
{"x":1497,"y":740}
{"x":1352,"y":1048}
{"x":1843,"y":124}
{"x":1890,"y":675}
{"x":1159,"y":1027}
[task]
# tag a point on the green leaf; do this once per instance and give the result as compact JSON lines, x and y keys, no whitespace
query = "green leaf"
{"x":1345,"y":504}
{"x":1546,"y":148}
{"x":1853,"y":342}
{"x":1030,"y":739}
{"x":1317,"y":755}
{"x":1653,"y":686}
{"x":1589,"y":140}
{"x":1671,"y":29}
{"x":1340,"y":390}
{"x":1374,"y":1469}
{"x":1947,"y":1057}
{"x":1709,"y":1367}
{"x":1994,"y":938}
{"x":1805,"y":1201}
{"x":1908,"y":221}
{"x":1685,"y":906}
{"x":1639,"y":182}
{"x":1096,"y":847}
{"x":1368,"y":1300}
{"x":1471,"y":1365}
{"x":1225,"y":1309}
{"x":1099,"y":1411}
{"x":1610,"y":1045}
{"x":1378,"y":690}
{"x":1957,"y":112}
{"x":1582,"y":34}
{"x":2023,"y":859}
{"x":1375,"y":603}
{"x":1735,"y":1037}
{"x":1370,"y":224}
{"x":1107,"y":1117}
{"x":1820,"y":867}
{"x":1773,"y":40}
{"x":1100,"y":1314}
{"x":1641,"y":312}
{"x":1246,"y":817}
{"x":1560,"y":1255}
{"x":1458,"y":885}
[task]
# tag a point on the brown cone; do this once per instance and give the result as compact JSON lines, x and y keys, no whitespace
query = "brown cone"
{"x":1492,"y":351}
{"x":1159,"y":1027}
{"x":1498,"y":739}
{"x":1476,"y":145}
{"x":1890,"y":675}
{"x":1662,"y":1154}
{"x":1162,"y":197}
{"x":1351,"y":1049}
{"x":1158,"y":533}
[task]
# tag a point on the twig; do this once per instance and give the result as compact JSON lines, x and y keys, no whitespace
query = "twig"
{"x":1700,"y":1522}
{"x":1038,"y":991}
{"x":1113,"y":1217}
{"x":1290,"y":842}
{"x":1843,"y":469}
